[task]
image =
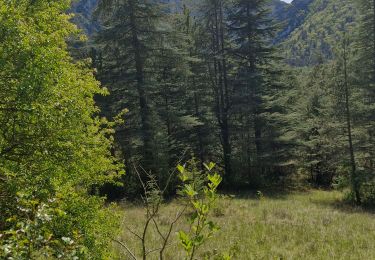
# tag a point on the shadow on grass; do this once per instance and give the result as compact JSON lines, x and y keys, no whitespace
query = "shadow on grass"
{"x":274,"y":193}
{"x":344,"y":206}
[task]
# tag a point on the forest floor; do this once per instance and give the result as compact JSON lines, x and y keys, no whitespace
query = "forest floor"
{"x":310,"y":225}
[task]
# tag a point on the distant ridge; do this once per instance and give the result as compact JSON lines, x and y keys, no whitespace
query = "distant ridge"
{"x":314,"y":29}
{"x":290,"y":15}
{"x":309,"y":29}
{"x":83,"y":10}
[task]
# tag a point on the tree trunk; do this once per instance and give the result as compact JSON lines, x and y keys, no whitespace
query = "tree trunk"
{"x":199,"y":129}
{"x":256,"y":103}
{"x":225,"y":100}
{"x":354,"y":177}
{"x":373,"y":39}
{"x":222,"y":86}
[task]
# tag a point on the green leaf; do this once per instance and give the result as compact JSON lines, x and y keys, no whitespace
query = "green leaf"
{"x":215,"y":180}
{"x":198,"y":240}
{"x":185,"y":240}
{"x":189,"y":190}
{"x":213,"y":227}
{"x":181,"y":169}
{"x":210,"y":166}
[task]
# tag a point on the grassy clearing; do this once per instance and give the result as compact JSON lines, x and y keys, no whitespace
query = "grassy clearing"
{"x":296,"y":226}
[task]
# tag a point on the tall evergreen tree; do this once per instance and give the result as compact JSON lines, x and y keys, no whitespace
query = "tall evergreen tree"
{"x":364,"y":113}
{"x":348,"y":115}
{"x":313,"y":123}
{"x":128,"y":42}
{"x":252,"y":31}
{"x":216,"y":56}
{"x":198,"y":95}
{"x":149,"y":61}
{"x":366,"y":77}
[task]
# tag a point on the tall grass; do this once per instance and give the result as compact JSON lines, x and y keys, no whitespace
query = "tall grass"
{"x":308,"y":225}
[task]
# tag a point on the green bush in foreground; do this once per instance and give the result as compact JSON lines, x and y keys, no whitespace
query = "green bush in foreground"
{"x":53,"y":149}
{"x":198,"y":193}
{"x":201,"y":198}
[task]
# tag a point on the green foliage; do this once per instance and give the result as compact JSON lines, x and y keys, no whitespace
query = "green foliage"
{"x":68,"y":228}
{"x":315,"y":128}
{"x":327,"y":114}
{"x":364,"y":70}
{"x":205,"y":77}
{"x":152,"y":54}
{"x":198,"y":194}
{"x":201,"y":198}
{"x":320,"y":32}
{"x":53,"y":147}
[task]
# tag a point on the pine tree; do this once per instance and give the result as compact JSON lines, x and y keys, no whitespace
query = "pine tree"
{"x":364,"y":114}
{"x":216,"y":56}
{"x":251,"y":31}
{"x":197,"y":94}
{"x":314,"y":126}
{"x":129,"y":41}
{"x":366,"y":77}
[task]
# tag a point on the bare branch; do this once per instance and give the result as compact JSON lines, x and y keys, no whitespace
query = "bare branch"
{"x":158,"y":230}
{"x":126,"y":248}
{"x":173,"y":172}
{"x":158,"y":249}
{"x":134,"y":233}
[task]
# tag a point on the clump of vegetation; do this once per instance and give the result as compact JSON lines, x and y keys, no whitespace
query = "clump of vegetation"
{"x":53,"y":146}
{"x":202,"y":200}
{"x":198,"y":199}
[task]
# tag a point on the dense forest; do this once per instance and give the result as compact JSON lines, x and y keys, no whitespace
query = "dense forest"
{"x":105,"y":101}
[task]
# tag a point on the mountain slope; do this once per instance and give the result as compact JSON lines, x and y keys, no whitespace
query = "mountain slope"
{"x":83,"y":10}
{"x":322,"y":23}
{"x":290,"y":16}
{"x":310,"y":29}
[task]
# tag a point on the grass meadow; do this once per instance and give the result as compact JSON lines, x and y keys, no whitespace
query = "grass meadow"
{"x":309,"y":225}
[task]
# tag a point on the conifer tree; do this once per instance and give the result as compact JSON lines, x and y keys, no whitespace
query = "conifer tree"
{"x":348,"y":115}
{"x":129,"y":42}
{"x":197,"y":97}
{"x":364,"y":112}
{"x":216,"y":56}
{"x":150,"y":64}
{"x":251,"y":31}
{"x":313,"y":123}
{"x":366,"y":79}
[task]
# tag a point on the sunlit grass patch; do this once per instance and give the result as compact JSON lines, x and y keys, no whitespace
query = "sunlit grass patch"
{"x":307,"y":225}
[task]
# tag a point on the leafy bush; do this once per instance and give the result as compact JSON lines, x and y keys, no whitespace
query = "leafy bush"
{"x":201,"y":198}
{"x":198,"y":193}
{"x":53,"y":147}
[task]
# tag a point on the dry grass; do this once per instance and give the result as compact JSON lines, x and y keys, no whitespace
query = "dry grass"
{"x":296,"y":226}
